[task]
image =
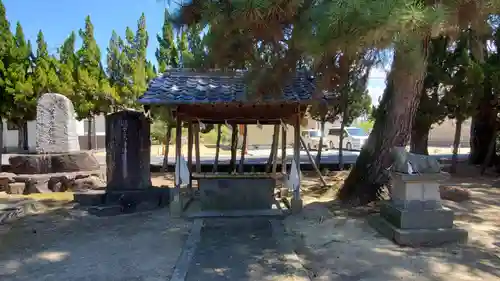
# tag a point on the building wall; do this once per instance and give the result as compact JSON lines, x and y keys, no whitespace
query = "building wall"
{"x":441,"y":135}
{"x":10,"y":137}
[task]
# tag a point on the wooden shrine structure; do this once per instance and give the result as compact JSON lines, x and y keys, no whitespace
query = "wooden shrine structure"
{"x":223,"y":98}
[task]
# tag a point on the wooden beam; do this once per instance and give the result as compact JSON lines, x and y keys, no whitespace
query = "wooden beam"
{"x":283,"y":149}
{"x":190,"y":152}
{"x":313,"y":162}
{"x":176,"y":200}
{"x":275,"y":152}
{"x":197,"y":146}
{"x":296,"y":154}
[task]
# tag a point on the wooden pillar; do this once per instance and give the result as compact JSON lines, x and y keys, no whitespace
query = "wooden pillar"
{"x":190,"y":152}
{"x":296,"y":202}
{"x":197,"y":146}
{"x":275,"y":154}
{"x":176,"y":200}
{"x":283,"y":149}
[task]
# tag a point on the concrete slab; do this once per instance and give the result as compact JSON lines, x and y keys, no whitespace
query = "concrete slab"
{"x":417,"y":237}
{"x":243,"y":249}
{"x":237,"y":214}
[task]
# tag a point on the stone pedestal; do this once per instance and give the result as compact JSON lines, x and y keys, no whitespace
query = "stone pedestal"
{"x":414,"y":216}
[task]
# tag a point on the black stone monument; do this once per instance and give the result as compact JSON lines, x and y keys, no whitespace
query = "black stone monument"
{"x":128,"y":151}
{"x":128,"y":168}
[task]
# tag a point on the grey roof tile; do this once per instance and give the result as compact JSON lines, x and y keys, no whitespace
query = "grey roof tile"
{"x":183,"y":87}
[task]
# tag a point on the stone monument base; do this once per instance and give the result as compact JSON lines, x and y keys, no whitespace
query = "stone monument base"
{"x":53,"y":163}
{"x":415,"y":216}
{"x":417,"y":237}
{"x":417,"y":227}
{"x":109,"y":203}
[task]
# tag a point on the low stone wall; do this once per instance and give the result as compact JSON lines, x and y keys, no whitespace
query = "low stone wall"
{"x":53,"y":163}
{"x":53,"y":182}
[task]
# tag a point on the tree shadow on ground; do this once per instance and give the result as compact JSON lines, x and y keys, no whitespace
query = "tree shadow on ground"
{"x":336,"y":243}
{"x":62,"y":243}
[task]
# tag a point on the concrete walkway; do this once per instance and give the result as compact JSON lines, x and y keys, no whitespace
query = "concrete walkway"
{"x":241,"y":249}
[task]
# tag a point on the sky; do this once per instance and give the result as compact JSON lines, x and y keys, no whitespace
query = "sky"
{"x":58,"y":18}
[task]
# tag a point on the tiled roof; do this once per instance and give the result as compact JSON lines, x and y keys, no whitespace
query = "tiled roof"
{"x":184,"y":87}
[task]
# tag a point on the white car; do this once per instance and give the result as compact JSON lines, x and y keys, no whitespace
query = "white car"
{"x":311,"y":138}
{"x":354,"y":138}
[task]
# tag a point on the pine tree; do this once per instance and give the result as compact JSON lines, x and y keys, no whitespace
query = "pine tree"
{"x":139,"y":64}
{"x":166,"y":53}
{"x":150,"y":71}
{"x":88,"y":71}
{"x":186,"y":56}
{"x":42,"y":68}
{"x":6,"y":43}
{"x":114,"y":68}
{"x":89,"y":76}
{"x":19,"y":86}
{"x":196,"y":47}
{"x":67,"y":66}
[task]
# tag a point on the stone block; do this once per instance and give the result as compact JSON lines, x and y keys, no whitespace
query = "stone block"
{"x":416,"y":219}
{"x":16,"y":188}
{"x":33,"y":186}
{"x":53,"y":163}
{"x":236,"y":193}
{"x":454,"y":193}
{"x":89,"y":198}
{"x":416,"y":191}
{"x":417,"y":237}
{"x":56,"y":129}
{"x":156,"y":195}
{"x":9,"y":177}
{"x":296,"y":205}
{"x":4,"y":184}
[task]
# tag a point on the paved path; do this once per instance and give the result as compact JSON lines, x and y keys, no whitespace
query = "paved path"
{"x":260,"y":157}
{"x":243,"y":249}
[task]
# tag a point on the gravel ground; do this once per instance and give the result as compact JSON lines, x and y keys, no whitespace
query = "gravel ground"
{"x":67,"y":245}
{"x":335,"y":246}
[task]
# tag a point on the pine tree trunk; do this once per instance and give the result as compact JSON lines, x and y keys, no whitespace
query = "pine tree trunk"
{"x":320,"y":145}
{"x":243,"y":149}
{"x":20,"y":137}
{"x":274,"y":148}
{"x":25,"y":136}
{"x":456,"y":145}
{"x":168,"y":138}
{"x":341,"y":146}
{"x":89,"y":133}
{"x":482,"y":127}
{"x":345,"y":113}
{"x":1,"y":142}
{"x":217,"y":148}
{"x":419,"y":141}
{"x":392,"y":127}
{"x":234,"y":147}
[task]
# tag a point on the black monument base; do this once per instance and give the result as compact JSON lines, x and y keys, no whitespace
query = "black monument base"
{"x":109,"y":203}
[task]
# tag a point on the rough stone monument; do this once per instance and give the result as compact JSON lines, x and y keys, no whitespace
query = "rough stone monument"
{"x":414,"y":216}
{"x":55,"y":125}
{"x":59,"y":164}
